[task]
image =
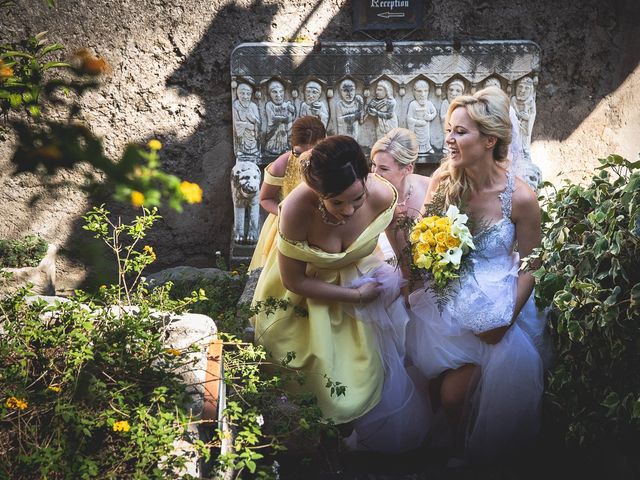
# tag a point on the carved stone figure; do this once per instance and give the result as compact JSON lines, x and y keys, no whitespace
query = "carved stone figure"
{"x":492,"y":82}
{"x":350,"y":110}
{"x":312,"y":104}
{"x":246,"y":122}
{"x":454,"y":89}
{"x":280,"y":115}
{"x":419,"y":116}
{"x":383,"y":108}
{"x":245,"y":184}
{"x":523,"y":102}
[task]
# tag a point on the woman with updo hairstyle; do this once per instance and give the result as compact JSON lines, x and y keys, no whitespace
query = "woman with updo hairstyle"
{"x":393,"y":157}
{"x":280,"y":177}
{"x":483,"y":346}
{"x":327,"y":264}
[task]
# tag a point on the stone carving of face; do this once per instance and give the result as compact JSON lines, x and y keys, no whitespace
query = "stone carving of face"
{"x":312,"y":92}
{"x":455,"y":90}
{"x":421,"y":91}
{"x":381,"y":92}
{"x":492,"y":82}
{"x":524,"y":89}
{"x":276,"y":92}
{"x":244,"y":94}
{"x":348,"y":91}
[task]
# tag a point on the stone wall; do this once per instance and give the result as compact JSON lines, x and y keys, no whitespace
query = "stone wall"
{"x":170,"y":80}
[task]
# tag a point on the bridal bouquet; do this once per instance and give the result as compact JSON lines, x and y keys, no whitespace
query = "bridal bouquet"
{"x":439,"y":245}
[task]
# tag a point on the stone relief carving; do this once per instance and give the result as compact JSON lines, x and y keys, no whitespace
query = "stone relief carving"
{"x":312,"y":104}
{"x":376,"y":91}
{"x":349,"y":110}
{"x":246,"y":123}
{"x":245,"y":184}
{"x":523,"y":102}
{"x":382,"y":107}
{"x":420,"y":115}
{"x":454,"y":89}
{"x":280,"y":114}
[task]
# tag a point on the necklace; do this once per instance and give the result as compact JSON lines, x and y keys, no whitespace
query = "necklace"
{"x":406,"y":199}
{"x":324,"y":214}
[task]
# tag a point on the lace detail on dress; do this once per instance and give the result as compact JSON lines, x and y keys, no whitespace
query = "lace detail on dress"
{"x":507,"y":194}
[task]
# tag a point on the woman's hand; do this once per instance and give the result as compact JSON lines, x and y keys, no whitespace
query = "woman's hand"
{"x":368,"y":292}
{"x":493,"y":336}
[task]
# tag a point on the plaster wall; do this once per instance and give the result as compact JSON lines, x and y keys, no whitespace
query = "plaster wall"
{"x":170,"y":80}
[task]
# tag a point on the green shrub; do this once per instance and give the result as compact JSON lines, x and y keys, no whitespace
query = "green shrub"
{"x":25,"y":252}
{"x":590,"y":276}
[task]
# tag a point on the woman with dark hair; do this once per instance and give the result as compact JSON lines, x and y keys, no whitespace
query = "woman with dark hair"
{"x":280,"y":177}
{"x":326,"y":261}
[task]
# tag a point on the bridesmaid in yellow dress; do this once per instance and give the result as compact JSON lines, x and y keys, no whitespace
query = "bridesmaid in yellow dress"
{"x":280,"y":177}
{"x":326,"y":261}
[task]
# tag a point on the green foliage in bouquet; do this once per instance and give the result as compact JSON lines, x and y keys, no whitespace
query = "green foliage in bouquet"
{"x":590,"y":277}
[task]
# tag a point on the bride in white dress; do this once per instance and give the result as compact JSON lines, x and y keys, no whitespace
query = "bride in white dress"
{"x":483,"y":350}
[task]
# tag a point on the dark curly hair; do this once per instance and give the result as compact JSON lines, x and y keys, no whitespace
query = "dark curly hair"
{"x":335,"y":163}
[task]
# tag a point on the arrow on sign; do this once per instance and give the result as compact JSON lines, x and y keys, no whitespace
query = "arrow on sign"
{"x":391,"y":14}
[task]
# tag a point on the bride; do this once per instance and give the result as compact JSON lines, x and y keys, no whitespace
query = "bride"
{"x":484,"y":347}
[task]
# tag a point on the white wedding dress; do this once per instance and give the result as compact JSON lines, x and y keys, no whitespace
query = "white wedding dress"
{"x":503,"y":407}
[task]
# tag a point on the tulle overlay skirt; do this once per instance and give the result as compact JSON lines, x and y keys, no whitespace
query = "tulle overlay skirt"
{"x":503,"y":405}
{"x":401,"y":420}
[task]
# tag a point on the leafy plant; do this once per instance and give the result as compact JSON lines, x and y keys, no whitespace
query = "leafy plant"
{"x":591,"y":280}
{"x":88,"y":387}
{"x":25,"y":252}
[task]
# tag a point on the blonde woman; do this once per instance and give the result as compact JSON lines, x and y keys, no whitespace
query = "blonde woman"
{"x":485,"y":344}
{"x":393,"y":157}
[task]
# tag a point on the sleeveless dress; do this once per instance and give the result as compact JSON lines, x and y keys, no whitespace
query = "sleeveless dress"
{"x":503,"y":407}
{"x":266,"y":239}
{"x":362,"y":348}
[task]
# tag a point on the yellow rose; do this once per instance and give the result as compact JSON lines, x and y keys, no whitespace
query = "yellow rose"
{"x":428,"y":238}
{"x":415,"y":235}
{"x":423,"y":248}
{"x":453,"y":242}
{"x":441,"y":248}
{"x":191,"y":192}
{"x":441,"y":238}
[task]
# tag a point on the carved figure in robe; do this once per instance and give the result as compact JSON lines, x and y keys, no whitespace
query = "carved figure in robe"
{"x":280,"y":115}
{"x":524,"y":104}
{"x":350,"y":110}
{"x":312,"y":104}
{"x":246,"y":122}
{"x":383,"y":108}
{"x":419,"y":116}
{"x":492,"y":82}
{"x":454,"y":89}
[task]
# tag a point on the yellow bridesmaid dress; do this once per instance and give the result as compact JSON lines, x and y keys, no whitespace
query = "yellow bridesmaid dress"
{"x":331,"y":341}
{"x":266,"y":240}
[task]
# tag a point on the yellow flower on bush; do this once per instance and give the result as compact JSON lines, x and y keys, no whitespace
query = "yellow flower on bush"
{"x":173,"y":351}
{"x":154,"y":144}
{"x":137,"y":199}
{"x":54,"y":388}
{"x":5,"y":71}
{"x":191,"y":192}
{"x":149,"y":251}
{"x":16,"y":403}
{"x":121,"y":426}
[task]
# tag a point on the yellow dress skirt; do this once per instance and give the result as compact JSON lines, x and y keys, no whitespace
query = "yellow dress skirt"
{"x":266,"y":239}
{"x":340,"y":342}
